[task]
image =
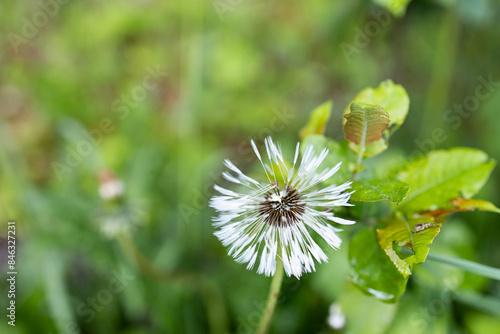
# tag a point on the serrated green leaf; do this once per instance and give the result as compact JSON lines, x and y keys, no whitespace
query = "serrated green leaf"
{"x":442,"y":176}
{"x":378,"y":190}
{"x":474,"y":204}
{"x":396,"y":7}
{"x":317,"y":121}
{"x":395,"y":101}
{"x":372,"y":271}
{"x":337,"y":152}
{"x":365,"y":123}
{"x":400,"y":232}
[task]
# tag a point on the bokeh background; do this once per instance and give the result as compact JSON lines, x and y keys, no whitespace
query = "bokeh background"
{"x":168,"y":89}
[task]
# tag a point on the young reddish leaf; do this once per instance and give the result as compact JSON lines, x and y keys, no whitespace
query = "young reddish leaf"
{"x":472,"y":204}
{"x":365,"y":123}
{"x":464,"y":204}
{"x":395,"y":101}
{"x":393,"y":98}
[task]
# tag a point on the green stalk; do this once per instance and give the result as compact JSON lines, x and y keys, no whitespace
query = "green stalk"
{"x":486,"y":304}
{"x":472,"y":267}
{"x":135,"y":256}
{"x":57,"y":292}
{"x":358,"y":162}
{"x":271,"y":299}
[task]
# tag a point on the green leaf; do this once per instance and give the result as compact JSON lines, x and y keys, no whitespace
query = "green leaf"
{"x":365,"y":123}
{"x":396,"y":7}
{"x":337,"y":152}
{"x":472,"y":204}
{"x":400,"y":232}
{"x":317,"y":121}
{"x":378,"y":190}
{"x":372,"y":270}
{"x":395,"y":101}
{"x":442,"y":176}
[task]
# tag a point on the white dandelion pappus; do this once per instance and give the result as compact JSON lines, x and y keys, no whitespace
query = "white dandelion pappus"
{"x":274,"y":219}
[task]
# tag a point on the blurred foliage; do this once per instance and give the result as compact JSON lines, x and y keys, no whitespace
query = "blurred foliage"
{"x":161,"y":92}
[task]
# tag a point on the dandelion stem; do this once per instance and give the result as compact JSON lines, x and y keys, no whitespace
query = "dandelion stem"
{"x":271,"y":299}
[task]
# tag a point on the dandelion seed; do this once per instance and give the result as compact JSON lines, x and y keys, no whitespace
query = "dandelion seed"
{"x":118,"y":216}
{"x":336,"y":318}
{"x":110,"y":187}
{"x":275,"y":219}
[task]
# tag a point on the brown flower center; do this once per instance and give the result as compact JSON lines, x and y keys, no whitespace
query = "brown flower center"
{"x":282,"y":209}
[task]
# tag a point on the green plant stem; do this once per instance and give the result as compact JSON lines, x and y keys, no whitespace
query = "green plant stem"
{"x":358,"y":163}
{"x":56,"y":290}
{"x":486,"y":304}
{"x":214,"y":300}
{"x":472,"y":267}
{"x":271,"y":299}
{"x":135,"y":256}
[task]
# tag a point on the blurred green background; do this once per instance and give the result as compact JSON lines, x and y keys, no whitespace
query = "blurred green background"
{"x":168,"y":89}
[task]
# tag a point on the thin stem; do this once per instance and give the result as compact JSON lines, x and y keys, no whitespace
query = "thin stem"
{"x":214,"y":300}
{"x":472,"y":267}
{"x":358,"y":162}
{"x":135,"y":256}
{"x":271,"y":299}
{"x":484,"y":303}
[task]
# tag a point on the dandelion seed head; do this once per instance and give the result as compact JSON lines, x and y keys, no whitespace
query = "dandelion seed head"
{"x":262,"y":222}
